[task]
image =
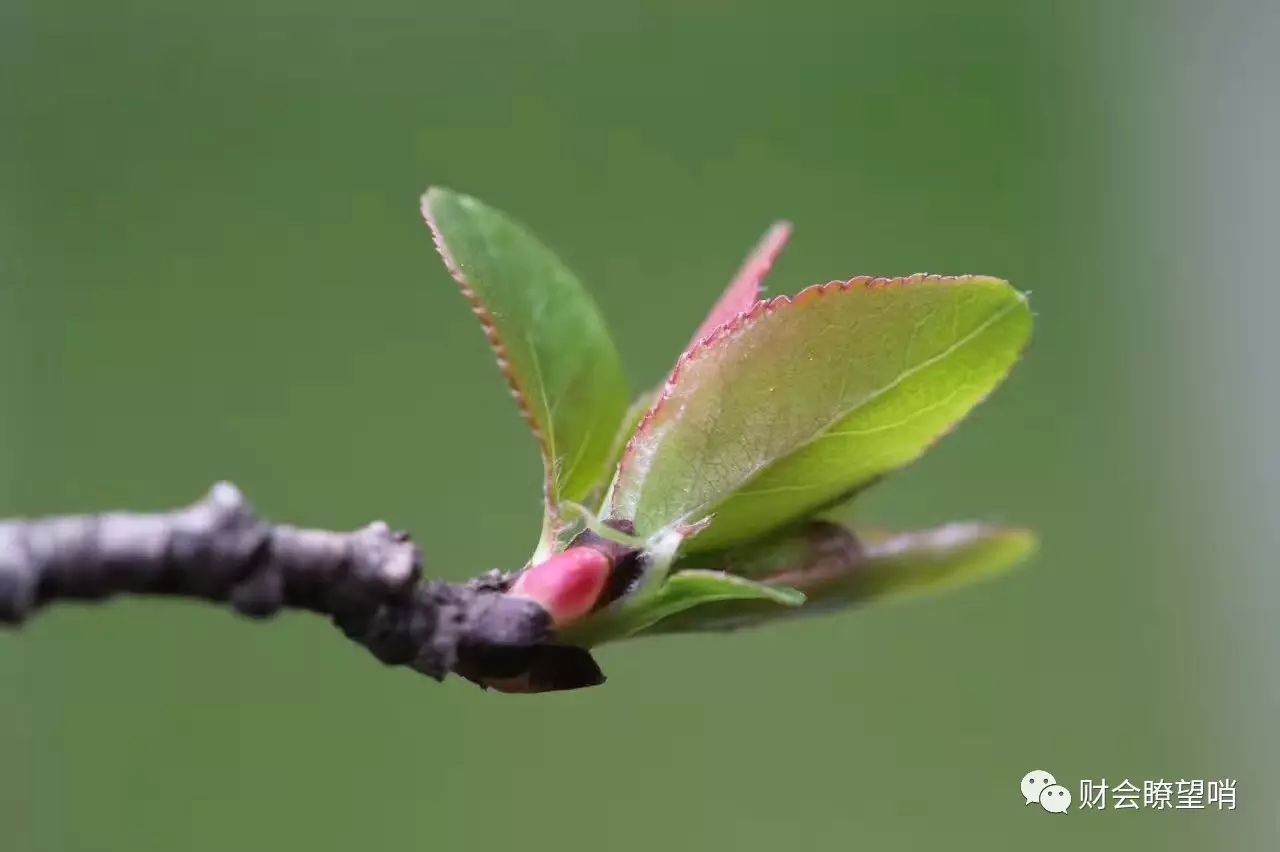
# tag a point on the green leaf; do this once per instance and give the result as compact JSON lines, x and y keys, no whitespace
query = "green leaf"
{"x":552,"y":345}
{"x":912,"y":564}
{"x":890,"y":567}
{"x":681,"y":592}
{"x":802,"y":400}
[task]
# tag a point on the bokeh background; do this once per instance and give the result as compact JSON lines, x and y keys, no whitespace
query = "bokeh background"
{"x":212,"y":266}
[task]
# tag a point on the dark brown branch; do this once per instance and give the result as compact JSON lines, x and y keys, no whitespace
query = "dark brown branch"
{"x":367,"y":581}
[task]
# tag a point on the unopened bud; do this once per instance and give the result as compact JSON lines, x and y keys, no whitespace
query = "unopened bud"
{"x":567,"y":585}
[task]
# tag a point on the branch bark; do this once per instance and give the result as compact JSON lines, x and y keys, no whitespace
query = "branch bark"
{"x":368,"y":582}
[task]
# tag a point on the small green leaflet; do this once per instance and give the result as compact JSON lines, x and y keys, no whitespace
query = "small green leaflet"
{"x":802,"y":400}
{"x":681,"y":592}
{"x":552,"y":345}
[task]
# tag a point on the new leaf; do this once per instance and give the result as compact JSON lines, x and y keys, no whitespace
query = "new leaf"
{"x":744,"y":290}
{"x":684,"y":592}
{"x":803,"y":400}
{"x":890,"y":567}
{"x":552,"y":345}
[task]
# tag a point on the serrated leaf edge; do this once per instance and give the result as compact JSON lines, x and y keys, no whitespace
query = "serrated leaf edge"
{"x":489,"y":327}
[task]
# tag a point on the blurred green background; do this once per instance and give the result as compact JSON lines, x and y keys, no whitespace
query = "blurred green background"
{"x":212,"y":266}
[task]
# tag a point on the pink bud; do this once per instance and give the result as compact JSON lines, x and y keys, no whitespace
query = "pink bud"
{"x":567,"y":585}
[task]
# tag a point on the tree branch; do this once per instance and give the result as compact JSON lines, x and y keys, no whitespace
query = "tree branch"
{"x":367,"y":581}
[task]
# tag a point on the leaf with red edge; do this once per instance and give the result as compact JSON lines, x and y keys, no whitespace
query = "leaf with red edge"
{"x":744,"y":290}
{"x":801,"y":400}
{"x":552,"y":345}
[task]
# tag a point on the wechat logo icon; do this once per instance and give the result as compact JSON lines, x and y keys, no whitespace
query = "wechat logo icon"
{"x":1040,"y":786}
